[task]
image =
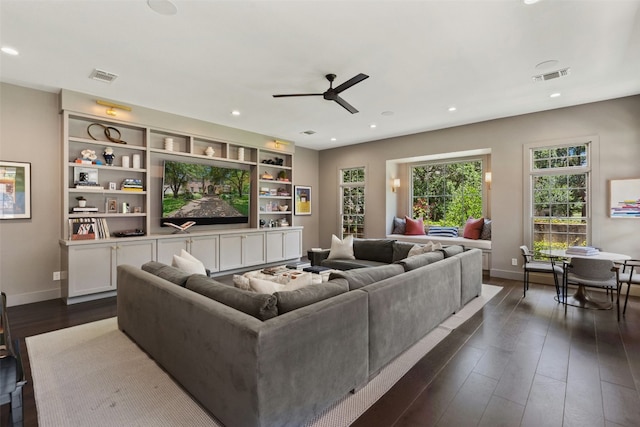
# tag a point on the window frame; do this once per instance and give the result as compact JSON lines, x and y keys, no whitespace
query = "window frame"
{"x":341,"y":186}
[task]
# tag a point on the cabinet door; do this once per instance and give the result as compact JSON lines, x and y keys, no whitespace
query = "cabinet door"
{"x":206,"y":250}
{"x":253,"y":246}
{"x":275,"y":246}
{"x":90,"y":269}
{"x":231,"y":251}
{"x":135,"y":253}
{"x":167,"y":248}
{"x":292,"y":244}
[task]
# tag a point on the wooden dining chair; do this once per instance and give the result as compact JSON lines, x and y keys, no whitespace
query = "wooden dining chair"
{"x":533,"y":266}
{"x":629,"y":275}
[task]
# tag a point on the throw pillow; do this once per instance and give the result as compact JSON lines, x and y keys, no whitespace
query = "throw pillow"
{"x":486,"y":230}
{"x":473,"y":228}
{"x":294,"y":299}
{"x":359,"y":277}
{"x":341,"y":249}
{"x":415,"y":227}
{"x":188,"y":266}
{"x":421,"y":260}
{"x":241,"y":282}
{"x":262,"y":286}
{"x":437,"y":230}
{"x":186,"y":255}
{"x":166,"y":272}
{"x":399,"y":225}
{"x":420,"y":249}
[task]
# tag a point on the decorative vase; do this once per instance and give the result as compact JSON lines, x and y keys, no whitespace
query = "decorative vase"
{"x":82,"y":203}
{"x":241,"y":154}
{"x":125,"y":161}
{"x":168,"y":144}
{"x":209,"y":151}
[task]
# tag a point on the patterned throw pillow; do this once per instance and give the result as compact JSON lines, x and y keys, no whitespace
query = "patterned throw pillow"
{"x":486,"y":230}
{"x":438,"y":230}
{"x":399,"y":225}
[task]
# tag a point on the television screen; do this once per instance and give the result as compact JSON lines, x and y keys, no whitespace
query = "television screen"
{"x":205,"y":194}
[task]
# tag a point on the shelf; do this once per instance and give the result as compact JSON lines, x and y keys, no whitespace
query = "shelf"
{"x":276,"y":197}
{"x":105,"y":191}
{"x":275,"y":213}
{"x":106,"y":143}
{"x":106,"y":167}
{"x":275,"y":181}
{"x":275,"y":166}
{"x":105,"y":215}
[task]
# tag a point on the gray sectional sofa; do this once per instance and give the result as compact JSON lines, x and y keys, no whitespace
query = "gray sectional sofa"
{"x":261,"y":360}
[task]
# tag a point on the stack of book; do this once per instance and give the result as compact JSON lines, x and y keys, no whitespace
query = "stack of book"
{"x":582,"y":250}
{"x":132,"y":184}
{"x":298,"y":265}
{"x":88,"y":229}
{"x":78,"y":209}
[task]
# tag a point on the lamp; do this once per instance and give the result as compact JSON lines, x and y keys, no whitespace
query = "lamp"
{"x":278,"y":144}
{"x":111,"y":111}
{"x":487,"y":179}
{"x":395,"y":184}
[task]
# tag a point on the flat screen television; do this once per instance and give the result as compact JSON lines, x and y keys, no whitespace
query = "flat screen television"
{"x":205,"y":193}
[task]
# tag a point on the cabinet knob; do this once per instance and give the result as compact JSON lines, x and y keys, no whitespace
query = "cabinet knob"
{"x":114,"y":247}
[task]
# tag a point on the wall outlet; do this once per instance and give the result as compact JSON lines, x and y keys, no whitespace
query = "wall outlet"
{"x":56,"y":275}
{"x":514,"y":261}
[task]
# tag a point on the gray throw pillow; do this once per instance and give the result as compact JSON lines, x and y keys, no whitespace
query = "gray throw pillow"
{"x":166,"y":272}
{"x":360,"y":277}
{"x":380,"y":250}
{"x":421,"y":260}
{"x":452,"y":250}
{"x":399,"y":225}
{"x":292,"y":300}
{"x":486,"y":230}
{"x":260,"y":306}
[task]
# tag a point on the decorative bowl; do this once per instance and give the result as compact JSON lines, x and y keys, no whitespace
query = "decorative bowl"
{"x":283,"y":208}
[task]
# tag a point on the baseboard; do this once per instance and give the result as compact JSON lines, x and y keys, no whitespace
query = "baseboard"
{"x":31,"y":297}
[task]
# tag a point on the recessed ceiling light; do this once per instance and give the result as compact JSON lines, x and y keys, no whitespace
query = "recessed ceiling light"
{"x":163,"y":7}
{"x":452,"y":109}
{"x":373,"y":126}
{"x":554,"y":95}
{"x":530,"y":1}
{"x":387,"y":113}
{"x":9,"y":50}
{"x":334,"y":139}
{"x":235,"y":112}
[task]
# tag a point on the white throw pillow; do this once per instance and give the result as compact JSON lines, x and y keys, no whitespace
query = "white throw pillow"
{"x":341,"y":249}
{"x":268,"y":287}
{"x":241,"y":282}
{"x":186,"y":255}
{"x":421,"y":249}
{"x":188,"y":266}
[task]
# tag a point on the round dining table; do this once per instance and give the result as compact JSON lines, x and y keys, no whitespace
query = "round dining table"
{"x":582,"y":298}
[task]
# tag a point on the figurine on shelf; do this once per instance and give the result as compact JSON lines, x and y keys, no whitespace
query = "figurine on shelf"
{"x":108,"y":156}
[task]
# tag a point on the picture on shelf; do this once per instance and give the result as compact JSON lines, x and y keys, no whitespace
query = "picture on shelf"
{"x":85,"y":176}
{"x":15,"y":190}
{"x":303,"y":200}
{"x":112,"y":206}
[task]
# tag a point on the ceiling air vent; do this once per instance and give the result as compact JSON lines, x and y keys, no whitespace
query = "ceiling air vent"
{"x":309,"y":132}
{"x":553,"y":75}
{"x":103,"y":76}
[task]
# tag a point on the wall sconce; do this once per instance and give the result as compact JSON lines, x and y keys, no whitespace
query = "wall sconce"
{"x":395,"y":184}
{"x":487,"y":179}
{"x":279,"y":144}
{"x":111,"y":111}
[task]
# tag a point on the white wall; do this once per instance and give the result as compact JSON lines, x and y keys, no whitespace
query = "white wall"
{"x":616,"y":124}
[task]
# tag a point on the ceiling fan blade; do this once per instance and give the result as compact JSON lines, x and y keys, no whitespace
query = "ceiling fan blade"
{"x":346,"y":105}
{"x":352,"y":81}
{"x":297,"y":94}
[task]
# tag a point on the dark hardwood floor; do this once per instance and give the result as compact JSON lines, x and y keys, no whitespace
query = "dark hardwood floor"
{"x":517,"y":362}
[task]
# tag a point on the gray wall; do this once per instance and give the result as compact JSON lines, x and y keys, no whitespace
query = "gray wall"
{"x":30,"y":129}
{"x":615,"y":123}
{"x":306,"y":173}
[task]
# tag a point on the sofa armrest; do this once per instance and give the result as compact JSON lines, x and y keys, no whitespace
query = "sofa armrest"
{"x":316,"y":257}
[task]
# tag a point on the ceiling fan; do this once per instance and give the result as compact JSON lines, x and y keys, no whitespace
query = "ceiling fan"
{"x":332,"y":94}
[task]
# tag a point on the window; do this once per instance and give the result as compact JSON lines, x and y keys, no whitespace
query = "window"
{"x":352,"y":184}
{"x":560,"y":213}
{"x":447,"y":193}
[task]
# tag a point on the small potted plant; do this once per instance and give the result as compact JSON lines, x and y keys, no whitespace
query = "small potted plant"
{"x":82,"y":202}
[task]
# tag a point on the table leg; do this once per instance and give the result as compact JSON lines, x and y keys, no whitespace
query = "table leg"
{"x":583,"y":299}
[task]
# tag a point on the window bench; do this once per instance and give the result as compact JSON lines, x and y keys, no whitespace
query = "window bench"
{"x":485,"y":245}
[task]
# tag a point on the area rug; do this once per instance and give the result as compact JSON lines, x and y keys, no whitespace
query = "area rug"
{"x":93,"y":374}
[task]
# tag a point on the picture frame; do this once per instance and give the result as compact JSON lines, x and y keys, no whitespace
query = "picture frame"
{"x":112,"y":186}
{"x":15,"y":190}
{"x":624,"y":198}
{"x":85,"y":176}
{"x":112,"y":205}
{"x":302,"y":202}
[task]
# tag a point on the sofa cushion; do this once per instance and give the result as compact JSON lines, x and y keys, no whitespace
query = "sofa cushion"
{"x":437,"y":230}
{"x":380,"y":250}
{"x":260,"y":306}
{"x":360,"y":277}
{"x":415,"y":227}
{"x":452,"y":250}
{"x":166,"y":272}
{"x":486,"y":230}
{"x":473,"y":228}
{"x":421,"y":260}
{"x":350,"y":264}
{"x":399,"y":225}
{"x":265,"y":286}
{"x":401,"y":250}
{"x":341,"y":249}
{"x":307,"y":295}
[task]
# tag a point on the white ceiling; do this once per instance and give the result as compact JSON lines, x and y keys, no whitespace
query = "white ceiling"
{"x":422,"y":57}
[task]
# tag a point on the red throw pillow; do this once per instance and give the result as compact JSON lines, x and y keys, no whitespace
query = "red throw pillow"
{"x":473,"y":228}
{"x":414,"y":227}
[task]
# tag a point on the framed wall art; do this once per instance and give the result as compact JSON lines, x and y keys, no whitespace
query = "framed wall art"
{"x":302,"y":200}
{"x":624,"y":198}
{"x":15,"y":190}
